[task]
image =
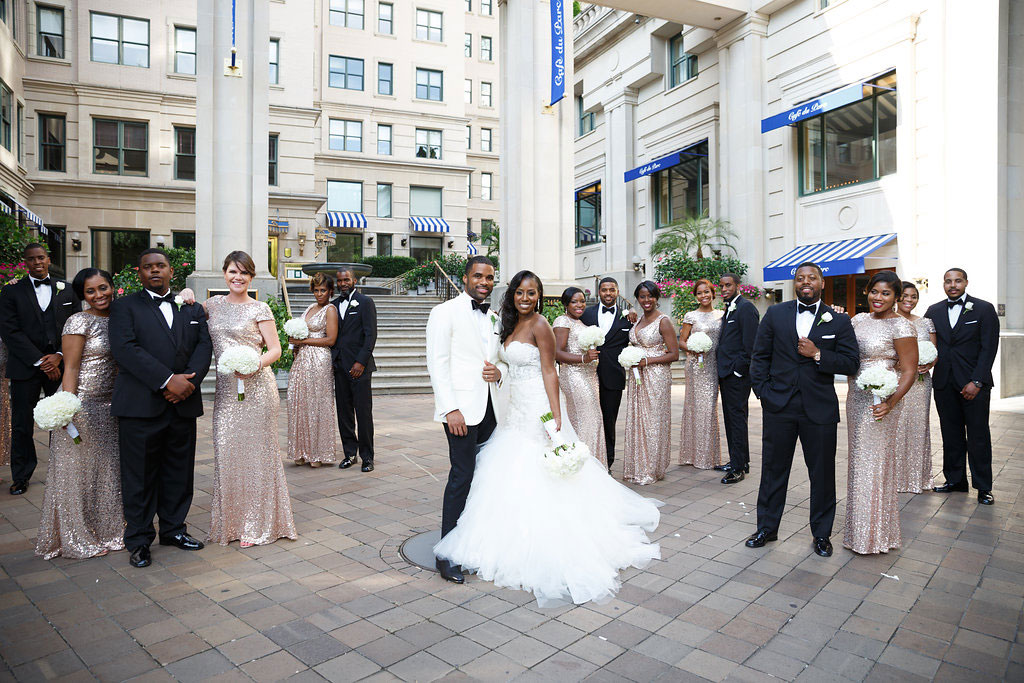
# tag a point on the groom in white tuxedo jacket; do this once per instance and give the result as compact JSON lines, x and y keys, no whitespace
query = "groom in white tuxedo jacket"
{"x":465,"y":372}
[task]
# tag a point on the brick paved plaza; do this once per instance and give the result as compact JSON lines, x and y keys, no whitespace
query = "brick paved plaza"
{"x":341,"y":604}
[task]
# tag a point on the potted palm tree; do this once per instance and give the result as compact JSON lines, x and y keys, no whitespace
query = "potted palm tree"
{"x":695,"y":234}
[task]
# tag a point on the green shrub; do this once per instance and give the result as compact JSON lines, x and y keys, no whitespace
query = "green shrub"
{"x":419,"y":276}
{"x":552,"y":309}
{"x":281,"y":316}
{"x":13,"y":239}
{"x":453,"y":264}
{"x":183,"y":261}
{"x":679,"y":266}
{"x":389,"y":266}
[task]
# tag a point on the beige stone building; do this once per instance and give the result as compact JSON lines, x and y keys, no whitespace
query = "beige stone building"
{"x":383,"y":126}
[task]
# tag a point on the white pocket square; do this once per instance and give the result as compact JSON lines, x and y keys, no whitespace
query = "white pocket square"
{"x":828,"y":336}
{"x":730,"y":321}
{"x":193,"y":322}
{"x":66,"y":303}
{"x":971,"y":322}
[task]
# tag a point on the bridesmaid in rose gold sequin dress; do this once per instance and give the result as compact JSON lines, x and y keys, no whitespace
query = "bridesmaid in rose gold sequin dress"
{"x":5,"y":409}
{"x":699,"y":441}
{"x":649,"y":404}
{"x":913,"y":435}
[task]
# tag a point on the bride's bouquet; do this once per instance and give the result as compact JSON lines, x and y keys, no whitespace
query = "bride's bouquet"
{"x":926,"y":353}
{"x":591,"y":337}
{"x":699,"y":343}
{"x":566,"y":458}
{"x":296,"y":328}
{"x":244,"y":360}
{"x":880,"y":381}
{"x":57,"y":411}
{"x":630,"y":358}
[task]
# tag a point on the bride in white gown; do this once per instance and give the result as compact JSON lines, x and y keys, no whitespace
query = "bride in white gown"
{"x":564,"y":539}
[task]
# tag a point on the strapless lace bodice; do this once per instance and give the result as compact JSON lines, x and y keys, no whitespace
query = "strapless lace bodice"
{"x":523,"y":362}
{"x":527,"y":398}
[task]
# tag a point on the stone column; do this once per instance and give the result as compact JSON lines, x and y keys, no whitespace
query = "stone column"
{"x":619,"y":198}
{"x":231,"y":137}
{"x":537,"y":224}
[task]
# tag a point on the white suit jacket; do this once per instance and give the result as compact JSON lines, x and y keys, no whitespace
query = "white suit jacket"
{"x":455,"y":360}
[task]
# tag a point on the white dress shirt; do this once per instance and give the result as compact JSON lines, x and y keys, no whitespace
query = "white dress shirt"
{"x":805,"y":320}
{"x":44,"y":293}
{"x":165,"y":309}
{"x":606,"y":320}
{"x":955,"y":311}
{"x":484,"y":326}
{"x":343,"y":305}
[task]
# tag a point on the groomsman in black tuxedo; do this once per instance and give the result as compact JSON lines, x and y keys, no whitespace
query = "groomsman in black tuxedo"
{"x":353,"y":369}
{"x":33,"y":311}
{"x":735,"y":344}
{"x":162,"y":349}
{"x":800,"y":347}
{"x":615,"y":323}
{"x":967,"y":332}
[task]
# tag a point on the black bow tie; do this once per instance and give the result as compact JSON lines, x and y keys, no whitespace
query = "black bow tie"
{"x":40,"y":283}
{"x":806,"y":308}
{"x":605,"y":309}
{"x":483,"y":308}
{"x":157,"y":300}
{"x":958,"y":302}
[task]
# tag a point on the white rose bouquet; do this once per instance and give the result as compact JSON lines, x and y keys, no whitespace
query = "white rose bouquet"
{"x":926,"y":353}
{"x":57,"y":411}
{"x":630,"y":358}
{"x":699,"y":343}
{"x":296,"y":328}
{"x":591,"y":337}
{"x":564,"y":459}
{"x":244,"y":360}
{"x":880,"y":381}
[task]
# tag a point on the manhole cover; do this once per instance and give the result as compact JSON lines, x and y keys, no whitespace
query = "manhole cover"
{"x":419,"y":549}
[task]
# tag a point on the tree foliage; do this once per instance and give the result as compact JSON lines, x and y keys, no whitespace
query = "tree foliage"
{"x":696,"y":235}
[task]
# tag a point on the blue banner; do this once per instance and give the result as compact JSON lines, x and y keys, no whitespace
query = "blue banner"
{"x":557,"y":50}
{"x":833,"y":100}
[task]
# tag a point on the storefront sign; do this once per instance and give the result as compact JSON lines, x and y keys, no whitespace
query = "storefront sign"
{"x":833,"y":100}
{"x":557,"y":50}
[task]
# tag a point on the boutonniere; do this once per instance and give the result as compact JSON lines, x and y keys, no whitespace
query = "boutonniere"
{"x":967,"y":306}
{"x":60,"y":286}
{"x":732,"y":307}
{"x":178,"y":301}
{"x":826,"y":317}
{"x":494,"y":318}
{"x":353,"y":303}
{"x":623,"y":313}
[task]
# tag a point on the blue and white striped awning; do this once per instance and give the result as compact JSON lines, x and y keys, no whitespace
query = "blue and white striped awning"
{"x":4,"y":208}
{"x":341,"y":219}
{"x":471,"y":249}
{"x":843,"y":257}
{"x":428,"y":224}
{"x":31,"y":217}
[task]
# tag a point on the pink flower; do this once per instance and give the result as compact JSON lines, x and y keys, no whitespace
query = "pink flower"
{"x":185,"y":263}
{"x":120,"y":290}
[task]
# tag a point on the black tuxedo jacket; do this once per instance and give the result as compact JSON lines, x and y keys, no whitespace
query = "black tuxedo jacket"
{"x":22,"y":324}
{"x":610,"y":374}
{"x":357,"y":334}
{"x":967,"y":351}
{"x":736,"y":340}
{"x":777,"y":371}
{"x":147,"y":353}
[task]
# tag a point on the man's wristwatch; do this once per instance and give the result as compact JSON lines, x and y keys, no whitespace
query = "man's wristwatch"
{"x":817,"y":356}
{"x":977,"y":383}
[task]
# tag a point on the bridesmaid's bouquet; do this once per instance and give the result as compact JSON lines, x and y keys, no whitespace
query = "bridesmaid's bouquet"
{"x":591,"y":337}
{"x":880,"y":381}
{"x":57,"y":411}
{"x":244,"y":360}
{"x":630,"y":358}
{"x":566,"y":458}
{"x":296,"y":328}
{"x":699,"y":343}
{"x":926,"y":353}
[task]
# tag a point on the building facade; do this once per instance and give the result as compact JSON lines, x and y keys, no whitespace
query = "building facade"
{"x":383,"y":127}
{"x":835,"y":130}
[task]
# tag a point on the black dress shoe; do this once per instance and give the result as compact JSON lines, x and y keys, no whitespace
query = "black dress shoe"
{"x":986,"y":498}
{"x":761,"y":537}
{"x":727,"y":467}
{"x":952,"y":488}
{"x":823,"y":546}
{"x":367,"y":467}
{"x":183,"y":541}
{"x":450,"y":573}
{"x":140,"y":557}
{"x":18,"y":488}
{"x":733,"y":477}
{"x":346,"y":463}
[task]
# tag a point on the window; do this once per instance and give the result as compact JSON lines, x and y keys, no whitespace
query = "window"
{"x":486,"y":186}
{"x":120,"y":147}
{"x":383,"y":138}
{"x":385,"y":79}
{"x":52,"y":141}
{"x":682,"y":190}
{"x":469,"y":185}
{"x":429,"y":84}
{"x":119,"y":40}
{"x":428,"y":143}
{"x":424,"y":249}
{"x":272,"y":160}
{"x":469,"y":137}
{"x":428,"y":25}
{"x":50,"y":21}
{"x":852,"y":144}
{"x":56,"y":244}
{"x":425,"y":201}
{"x":346,"y":136}
{"x":112,"y":250}
{"x":485,"y":94}
{"x":347,"y":248}
{"x":585,"y":119}
{"x":184,"y":153}
{"x":486,"y":144}
{"x":384,"y":200}
{"x":384,"y":245}
{"x":469,"y":5}
{"x":468,"y":51}
{"x":386,"y":18}
{"x":185,"y":51}
{"x":467,"y":91}
{"x":344,"y":195}
{"x":275,"y":61}
{"x":588,"y":215}
{"x":682,"y":65}
{"x":6,"y":113}
{"x":21,"y":133}
{"x":346,"y":72}
{"x":485,"y":7}
{"x":183,"y":239}
{"x":347,"y":13}
{"x":486,"y":52}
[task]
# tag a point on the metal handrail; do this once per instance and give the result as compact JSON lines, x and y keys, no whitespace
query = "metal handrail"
{"x":396,"y":284}
{"x":444,"y":285}
{"x":284,"y":290}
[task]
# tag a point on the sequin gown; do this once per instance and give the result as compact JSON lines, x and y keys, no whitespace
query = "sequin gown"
{"x":913,"y":436}
{"x":5,"y":409}
{"x":82,"y":512}
{"x":648,"y":410}
{"x":312,"y":416}
{"x":699,"y":441}
{"x":250,"y":493}
{"x":579,"y":384}
{"x":872,"y":512}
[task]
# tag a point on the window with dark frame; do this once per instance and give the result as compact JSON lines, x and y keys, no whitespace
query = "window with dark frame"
{"x":383,"y":200}
{"x":21,"y":133}
{"x":468,"y":48}
{"x":485,"y":94}
{"x":50,"y":21}
{"x":486,"y":186}
{"x":185,"y":50}
{"x":429,"y":25}
{"x":183,"y":239}
{"x":469,"y":138}
{"x":272,"y":159}
{"x":486,"y":7}
{"x":120,"y":147}
{"x":385,"y":79}
{"x":585,"y":118}
{"x":6,"y":114}
{"x":112,"y":250}
{"x":384,"y":138}
{"x":486,"y":49}
{"x":115,"y":39}
{"x":428,"y":143}
{"x":386,"y":18}
{"x":467,"y":91}
{"x":184,"y":153}
{"x":429,"y":85}
{"x":275,"y":61}
{"x":684,"y":189}
{"x":52,"y":142}
{"x":345,"y":72}
{"x":682,"y":65}
{"x":588,"y":215}
{"x":345,"y":196}
{"x":347,"y":13}
{"x":486,"y":140}
{"x":345,"y":135}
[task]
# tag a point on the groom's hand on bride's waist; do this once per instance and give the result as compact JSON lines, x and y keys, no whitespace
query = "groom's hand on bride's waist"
{"x":491,"y":372}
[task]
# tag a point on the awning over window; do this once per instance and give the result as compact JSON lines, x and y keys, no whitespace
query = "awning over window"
{"x":819,"y":105}
{"x":428,"y":224}
{"x":340,"y":219}
{"x":673,"y":159}
{"x":471,"y":249}
{"x":30,"y":216}
{"x":4,"y":208}
{"x":276,"y":226}
{"x":843,"y":257}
